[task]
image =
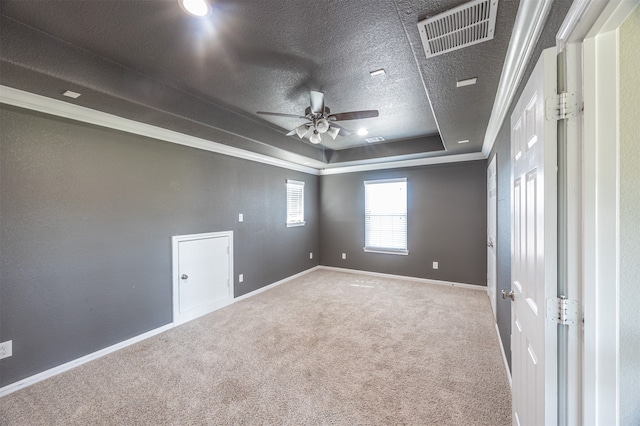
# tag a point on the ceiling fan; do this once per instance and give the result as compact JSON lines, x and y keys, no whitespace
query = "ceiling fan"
{"x":320,"y":119}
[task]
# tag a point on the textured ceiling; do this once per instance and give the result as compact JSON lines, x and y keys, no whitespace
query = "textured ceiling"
{"x":149,"y":61}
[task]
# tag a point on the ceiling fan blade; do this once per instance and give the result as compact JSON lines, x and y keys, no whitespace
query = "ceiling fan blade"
{"x":292,"y":132}
{"x":343,"y":131}
{"x":317,"y":102}
{"x":333,"y":132}
{"x":280,"y":114}
{"x":354,"y":115}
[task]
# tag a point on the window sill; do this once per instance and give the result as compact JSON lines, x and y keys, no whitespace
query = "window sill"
{"x":386,"y":251}
{"x":293,"y":224}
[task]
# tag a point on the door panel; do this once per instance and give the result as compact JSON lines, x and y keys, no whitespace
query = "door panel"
{"x":202,"y":274}
{"x":534,"y":249}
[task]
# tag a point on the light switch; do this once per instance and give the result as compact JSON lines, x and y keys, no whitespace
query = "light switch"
{"x":240,"y":217}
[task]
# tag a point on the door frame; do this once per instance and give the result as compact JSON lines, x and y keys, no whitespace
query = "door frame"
{"x":493,"y":296}
{"x":592,"y":27}
{"x":175,"y":242}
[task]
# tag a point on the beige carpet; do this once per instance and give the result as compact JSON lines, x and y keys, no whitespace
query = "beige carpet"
{"x":328,"y":348}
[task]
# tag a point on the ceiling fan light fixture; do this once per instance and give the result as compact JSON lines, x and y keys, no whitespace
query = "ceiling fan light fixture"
{"x":315,"y":138}
{"x":322,"y":125}
{"x":195,"y":7}
{"x":333,"y":132}
{"x":302,"y":130}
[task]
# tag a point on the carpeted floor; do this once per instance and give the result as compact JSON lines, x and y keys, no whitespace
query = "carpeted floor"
{"x":328,"y":348}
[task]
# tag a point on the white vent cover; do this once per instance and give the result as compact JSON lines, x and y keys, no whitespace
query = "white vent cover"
{"x":463,"y":26}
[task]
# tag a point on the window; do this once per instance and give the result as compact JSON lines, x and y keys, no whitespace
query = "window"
{"x":385,"y":216}
{"x":295,"y":203}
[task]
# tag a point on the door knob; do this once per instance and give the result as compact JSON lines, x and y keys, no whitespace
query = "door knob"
{"x":506,"y":295}
{"x":184,"y":276}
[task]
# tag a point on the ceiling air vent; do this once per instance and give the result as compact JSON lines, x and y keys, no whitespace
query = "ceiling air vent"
{"x":468,"y":24}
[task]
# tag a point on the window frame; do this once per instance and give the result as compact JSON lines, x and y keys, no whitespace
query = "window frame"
{"x":380,"y":249}
{"x":298,"y":185}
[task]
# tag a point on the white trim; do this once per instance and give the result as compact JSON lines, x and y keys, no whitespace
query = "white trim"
{"x":356,"y":166}
{"x":601,"y":229}
{"x":6,"y":390}
{"x":178,"y":318}
{"x":383,"y":251}
{"x":22,"y":99}
{"x":277,"y":283}
{"x":10,"y":388}
{"x":405,"y":278}
{"x":504,"y":355}
{"x":577,"y":22}
{"x":31,"y":101}
{"x":531,"y":17}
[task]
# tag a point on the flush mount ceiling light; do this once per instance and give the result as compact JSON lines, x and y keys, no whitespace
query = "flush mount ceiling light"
{"x":362,"y":131}
{"x":70,"y":94}
{"x":377,"y":72}
{"x":467,"y":82}
{"x":464,"y":141}
{"x":376,"y":139}
{"x":195,"y":7}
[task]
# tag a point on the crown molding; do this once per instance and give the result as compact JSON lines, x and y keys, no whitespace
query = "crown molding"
{"x":31,"y":101}
{"x":530,"y":20}
{"x":457,"y":158}
{"x":34,"y":102}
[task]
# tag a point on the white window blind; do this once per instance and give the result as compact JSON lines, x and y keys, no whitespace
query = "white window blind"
{"x":385,"y":222}
{"x":295,"y":203}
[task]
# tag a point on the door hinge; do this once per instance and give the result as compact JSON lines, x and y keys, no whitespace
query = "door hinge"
{"x":562,"y":106}
{"x":562,"y":310}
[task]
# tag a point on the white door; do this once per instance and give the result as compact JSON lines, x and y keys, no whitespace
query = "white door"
{"x":534,"y":248}
{"x":203,"y":271}
{"x":492,"y":206}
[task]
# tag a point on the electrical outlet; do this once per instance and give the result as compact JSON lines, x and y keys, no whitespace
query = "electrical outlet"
{"x":240,"y":278}
{"x":240,"y":217}
{"x":6,"y":349}
{"x":344,"y":255}
{"x":435,"y":265}
{"x":311,"y":255}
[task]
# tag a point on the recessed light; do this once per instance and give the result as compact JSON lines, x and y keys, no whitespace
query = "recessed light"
{"x":70,"y":94}
{"x":195,"y":7}
{"x":464,"y":141}
{"x":467,"y":82}
{"x":375,"y":139}
{"x":377,"y":72}
{"x":362,"y":132}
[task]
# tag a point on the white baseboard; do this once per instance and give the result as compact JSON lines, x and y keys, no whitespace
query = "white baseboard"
{"x":402,"y":277}
{"x":504,"y":355}
{"x":277,"y":283}
{"x":6,"y":390}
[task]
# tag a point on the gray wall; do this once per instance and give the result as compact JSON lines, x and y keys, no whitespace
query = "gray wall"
{"x":87,"y":216}
{"x":502,"y":148}
{"x":630,"y":220}
{"x":446,"y":222}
